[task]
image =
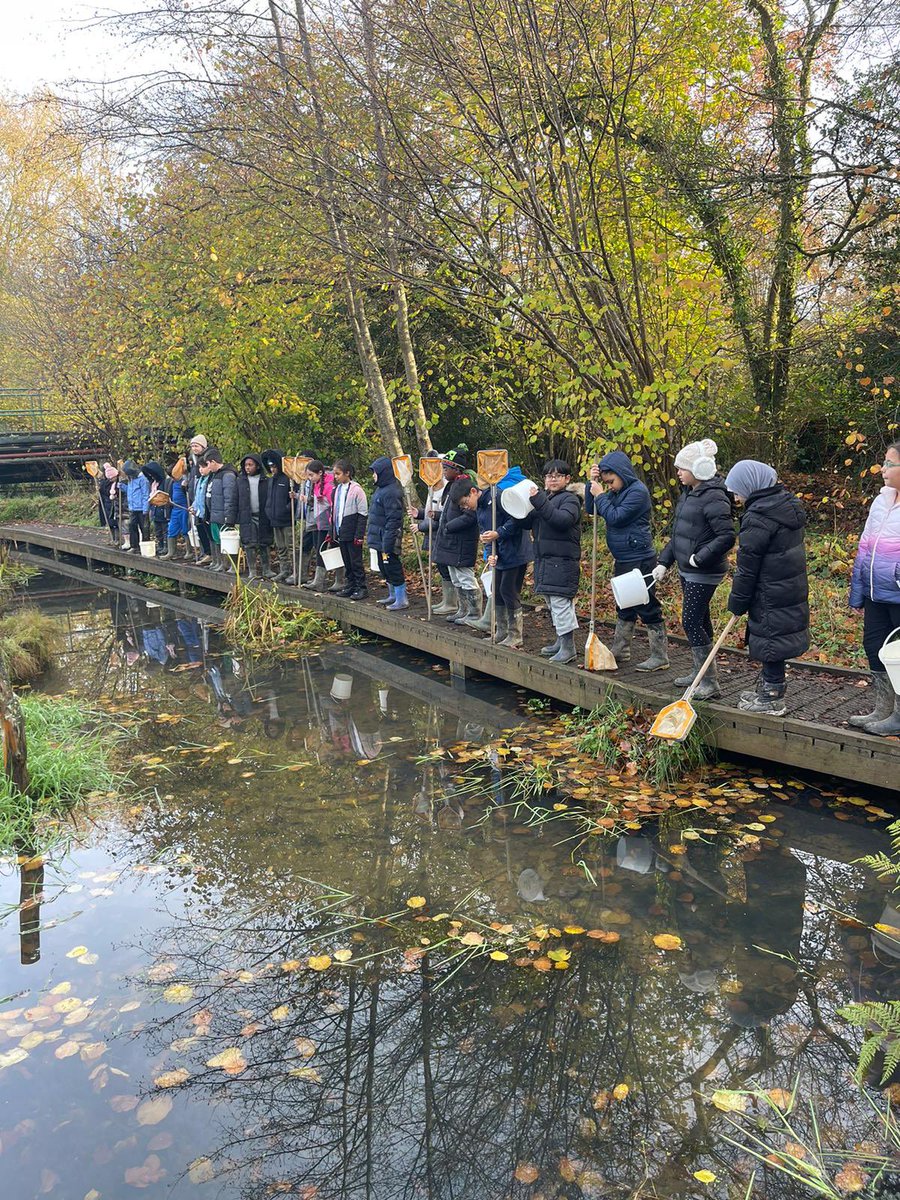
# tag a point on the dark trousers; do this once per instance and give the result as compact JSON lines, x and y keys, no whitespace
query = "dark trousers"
{"x":695,"y":601}
{"x":204,"y":535}
{"x":508,"y":587}
{"x":773,"y":674}
{"x":137,"y":525}
{"x":391,"y":568}
{"x":878,"y":621}
{"x":444,"y":572}
{"x":355,"y":575}
{"x":651,"y":612}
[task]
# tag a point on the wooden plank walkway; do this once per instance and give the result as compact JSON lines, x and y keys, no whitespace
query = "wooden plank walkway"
{"x":814,"y":735}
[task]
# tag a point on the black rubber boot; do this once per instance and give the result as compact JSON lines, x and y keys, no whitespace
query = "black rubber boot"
{"x":768,"y":699}
{"x":621,"y":643}
{"x":884,"y":702}
{"x":659,"y":650}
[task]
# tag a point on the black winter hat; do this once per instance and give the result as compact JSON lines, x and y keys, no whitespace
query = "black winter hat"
{"x":459,"y":457}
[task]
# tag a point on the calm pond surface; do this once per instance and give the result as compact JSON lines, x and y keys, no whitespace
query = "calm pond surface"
{"x":165,"y":1029}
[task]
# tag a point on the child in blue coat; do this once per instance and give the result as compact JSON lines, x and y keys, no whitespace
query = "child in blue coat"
{"x":384,"y":533}
{"x":509,"y":549}
{"x":623,"y":501}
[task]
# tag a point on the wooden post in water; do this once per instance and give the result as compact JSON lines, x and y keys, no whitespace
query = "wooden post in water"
{"x":31,"y":867}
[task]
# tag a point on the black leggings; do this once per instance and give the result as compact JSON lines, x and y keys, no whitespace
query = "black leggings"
{"x":508,"y":584}
{"x":695,"y":618}
{"x":878,"y":621}
{"x":391,"y":567}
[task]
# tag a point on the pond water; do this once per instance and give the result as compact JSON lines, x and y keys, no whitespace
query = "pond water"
{"x":244,"y":978}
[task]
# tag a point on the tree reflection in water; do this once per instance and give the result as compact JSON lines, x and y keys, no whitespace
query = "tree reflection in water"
{"x":428,"y":1085}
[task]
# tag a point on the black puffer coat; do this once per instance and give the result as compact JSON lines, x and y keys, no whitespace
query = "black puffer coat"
{"x":221,"y":496}
{"x":262,"y":536}
{"x":556,"y":526}
{"x":703,"y":527}
{"x":385,"y":529}
{"x":456,"y":539}
{"x":770,"y":581}
{"x":278,"y":494}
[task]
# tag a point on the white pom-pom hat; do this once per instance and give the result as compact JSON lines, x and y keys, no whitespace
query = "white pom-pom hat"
{"x":699,"y":458}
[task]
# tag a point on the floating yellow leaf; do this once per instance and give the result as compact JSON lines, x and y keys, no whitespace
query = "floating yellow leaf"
{"x":178,"y":993}
{"x":151,"y":1112}
{"x":66,"y":1050}
{"x":61,"y":989}
{"x":75,"y":1018}
{"x":87,"y":960}
{"x":201,"y":1171}
{"x":170,"y":1079}
{"x":305,"y":1047}
{"x":573,"y":929}
{"x":667,"y":941}
{"x":231,"y":1061}
{"x":320,"y":962}
{"x":31,"y":1040}
{"x":67,"y":1006}
{"x":727,"y":1101}
{"x":12,"y":1057}
{"x":343,"y":955}
{"x":92,"y":1050}
{"x":309,"y":1073}
{"x":526,"y":1173}
{"x":279,"y":1013}
{"x":472,"y":938}
{"x":780,"y":1098}
{"x":292,"y":964}
{"x":705,"y":1176}
{"x":851,"y":1178}
{"x":77,"y":951}
{"x":499,"y":956}
{"x":620,"y":1091}
{"x":416,"y":902}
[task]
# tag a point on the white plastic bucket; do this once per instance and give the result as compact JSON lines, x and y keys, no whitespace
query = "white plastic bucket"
{"x":194,"y":537}
{"x":516,"y":501}
{"x":148,"y":549}
{"x":630,"y":590}
{"x":230,"y":540}
{"x":341,"y":687}
{"x":373,"y":559}
{"x":332,"y":559}
{"x":889,"y":654}
{"x":634,"y":854}
{"x":487,"y":582}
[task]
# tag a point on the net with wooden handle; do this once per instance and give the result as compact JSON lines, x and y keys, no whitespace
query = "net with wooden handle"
{"x":93,"y":468}
{"x":403,"y":471}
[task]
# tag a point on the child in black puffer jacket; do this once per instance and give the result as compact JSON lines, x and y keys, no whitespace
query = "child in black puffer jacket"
{"x":384,"y":533}
{"x":556,"y":526}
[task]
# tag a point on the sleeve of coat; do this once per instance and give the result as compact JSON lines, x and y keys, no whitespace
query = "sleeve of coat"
{"x":721,"y":521}
{"x":464,"y":521}
{"x":561,"y":516}
{"x":633,"y":503}
{"x":752,"y":546}
{"x":362,"y":514}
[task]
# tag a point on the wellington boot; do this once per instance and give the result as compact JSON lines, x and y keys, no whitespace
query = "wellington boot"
{"x":566,"y":651}
{"x":549,"y":651}
{"x":255,"y":562}
{"x":709,"y":684}
{"x":469,"y":606}
{"x":171,"y":548}
{"x":389,"y":598}
{"x":890,"y":726}
{"x":449,"y":600}
{"x":474,"y":617}
{"x":502,"y":626}
{"x":682,"y":681}
{"x":659,"y":650}
{"x":461,"y":610}
{"x":317,"y":583}
{"x":621,"y":644}
{"x":216,"y":555}
{"x":884,"y":701}
{"x":339,"y":584}
{"x":768,"y":699}
{"x":484,"y":621}
{"x":515,"y":634}
{"x":401,"y":600}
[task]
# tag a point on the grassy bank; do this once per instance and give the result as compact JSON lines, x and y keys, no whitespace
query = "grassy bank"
{"x":67,"y":503}
{"x":71,"y":754}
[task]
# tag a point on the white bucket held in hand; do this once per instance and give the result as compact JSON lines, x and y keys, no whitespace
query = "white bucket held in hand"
{"x":230,"y":540}
{"x":332,"y":559}
{"x":373,"y":560}
{"x":148,"y":549}
{"x":517,"y":500}
{"x":630,"y":590}
{"x":889,"y":654}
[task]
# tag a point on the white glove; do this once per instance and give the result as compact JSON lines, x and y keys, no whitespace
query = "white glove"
{"x":658,"y":572}
{"x":692,"y":561}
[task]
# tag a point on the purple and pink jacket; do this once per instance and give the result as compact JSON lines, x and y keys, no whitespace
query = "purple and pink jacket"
{"x":876,"y":571}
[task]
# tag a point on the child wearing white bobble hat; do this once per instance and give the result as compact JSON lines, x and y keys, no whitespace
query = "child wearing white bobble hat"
{"x":702,"y":535}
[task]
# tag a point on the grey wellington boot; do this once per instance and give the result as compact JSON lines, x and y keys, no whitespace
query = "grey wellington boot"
{"x":890,"y":726}
{"x":474,"y":617}
{"x":549,"y":651}
{"x":515,"y":634}
{"x":254,"y":561}
{"x":621,"y":643}
{"x":317,"y":583}
{"x":171,"y":548}
{"x":502,"y":624}
{"x":884,"y":702}
{"x":448,"y":602}
{"x":470,"y":607}
{"x":461,"y":610}
{"x":566,"y":652}
{"x":709,"y":685}
{"x":659,"y":650}
{"x":484,"y":621}
{"x":216,"y":552}
{"x":682,"y":681}
{"x":339,"y":578}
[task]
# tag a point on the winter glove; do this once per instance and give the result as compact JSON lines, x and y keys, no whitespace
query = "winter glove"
{"x":357,"y":541}
{"x":692,"y":561}
{"x":658,"y":572}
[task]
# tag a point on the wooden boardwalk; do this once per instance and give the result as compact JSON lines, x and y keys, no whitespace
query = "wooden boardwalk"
{"x":814,"y":735}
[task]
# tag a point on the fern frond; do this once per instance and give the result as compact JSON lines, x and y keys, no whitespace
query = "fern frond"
{"x":881,"y":1020}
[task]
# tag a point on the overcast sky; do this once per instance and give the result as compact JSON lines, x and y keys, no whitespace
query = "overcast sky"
{"x":51,"y":42}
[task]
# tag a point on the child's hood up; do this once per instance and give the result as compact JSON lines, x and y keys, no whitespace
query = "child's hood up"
{"x":620,"y":464}
{"x":384,"y":471}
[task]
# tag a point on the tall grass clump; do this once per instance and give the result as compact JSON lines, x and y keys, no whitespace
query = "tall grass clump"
{"x":261,"y":621}
{"x":70,"y":755}
{"x":68,"y":504}
{"x":28,"y":641}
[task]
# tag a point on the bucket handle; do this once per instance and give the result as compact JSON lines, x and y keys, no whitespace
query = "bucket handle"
{"x":889,"y":636}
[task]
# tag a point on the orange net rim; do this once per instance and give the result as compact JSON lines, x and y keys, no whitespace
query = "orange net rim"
{"x":492,"y":465}
{"x":674,"y":722}
{"x":93,"y":468}
{"x":431,"y":471}
{"x":403,"y":469}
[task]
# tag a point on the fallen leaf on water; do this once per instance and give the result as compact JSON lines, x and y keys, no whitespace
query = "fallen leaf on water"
{"x":499,"y":956}
{"x":416,"y":902}
{"x":123,"y":1104}
{"x":526,"y":1172}
{"x":305,"y":1047}
{"x":543,"y":964}
{"x":130,"y":1006}
{"x":292,"y":964}
{"x":667,"y":941}
{"x":343,"y":955}
{"x":573,"y":929}
{"x":231,"y":1061}
{"x":620,"y":1091}
{"x":77,"y":951}
{"x":32,"y":1040}
{"x":87,"y":960}
{"x":727,"y":1101}
{"x":178,"y":993}
{"x":61,"y":989}
{"x":279,"y":1013}
{"x":472,"y":938}
{"x":780,"y":1098}
{"x":603,"y":935}
{"x":319,"y":962}
{"x":705,"y":1176}
{"x":150,"y":1171}
{"x":160,"y":972}
{"x":92,"y":1050}
{"x":201,"y":1171}
{"x":309,"y":1073}
{"x":851,"y":1178}
{"x":67,"y":1006}
{"x":170,"y":1079}
{"x":12,"y":1057}
{"x":151,"y":1112}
